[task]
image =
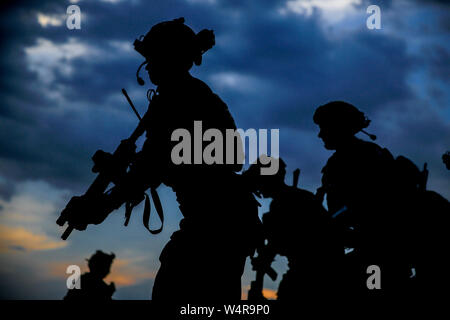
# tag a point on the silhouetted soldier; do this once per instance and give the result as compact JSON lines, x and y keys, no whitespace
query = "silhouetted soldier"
{"x":426,"y":228}
{"x":205,"y":259}
{"x":382,"y":203}
{"x":92,"y":286}
{"x":361,"y":191}
{"x":298,"y":227}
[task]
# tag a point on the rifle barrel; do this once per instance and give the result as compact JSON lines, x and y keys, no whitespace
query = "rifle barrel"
{"x":67,"y":232}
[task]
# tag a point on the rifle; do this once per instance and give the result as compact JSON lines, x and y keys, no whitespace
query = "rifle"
{"x":262,"y":266}
{"x":110,"y":168}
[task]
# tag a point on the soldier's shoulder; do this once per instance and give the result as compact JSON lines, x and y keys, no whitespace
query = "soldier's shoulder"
{"x":361,"y":154}
{"x":363,"y":150}
{"x":88,"y":280}
{"x":199,"y":86}
{"x":209,"y":103}
{"x":368,"y":146}
{"x":374,"y":154}
{"x":184,"y":89}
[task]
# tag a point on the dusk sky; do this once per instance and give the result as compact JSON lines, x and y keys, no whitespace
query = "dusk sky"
{"x":274,"y":62}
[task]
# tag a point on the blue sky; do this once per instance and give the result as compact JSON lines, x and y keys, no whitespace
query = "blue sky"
{"x":274,"y":62}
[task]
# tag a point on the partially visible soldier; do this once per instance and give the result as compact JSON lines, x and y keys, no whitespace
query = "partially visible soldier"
{"x":392,"y":220}
{"x":92,"y":285}
{"x":361,"y":190}
{"x":298,"y":227}
{"x":426,"y":228}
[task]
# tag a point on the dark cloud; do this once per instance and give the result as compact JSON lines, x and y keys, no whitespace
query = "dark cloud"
{"x":304,"y":68}
{"x":437,"y":57}
{"x":290,"y":63}
{"x":272,"y":70}
{"x":7,"y":190}
{"x":383,"y":4}
{"x":387,"y":4}
{"x":439,"y":2}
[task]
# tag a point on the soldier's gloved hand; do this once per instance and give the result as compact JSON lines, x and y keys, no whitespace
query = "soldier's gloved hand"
{"x":84,"y":210}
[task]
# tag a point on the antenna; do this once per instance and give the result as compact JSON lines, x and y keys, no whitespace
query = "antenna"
{"x":131,"y":103}
{"x":371,"y":136}
{"x":296,"y":176}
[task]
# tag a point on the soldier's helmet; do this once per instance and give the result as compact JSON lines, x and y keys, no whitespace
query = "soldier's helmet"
{"x":175,"y":42}
{"x":264,"y":184}
{"x":340,"y":116}
{"x":100,"y":263}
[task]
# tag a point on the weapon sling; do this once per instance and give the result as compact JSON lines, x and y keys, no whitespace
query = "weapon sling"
{"x":147,"y":210}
